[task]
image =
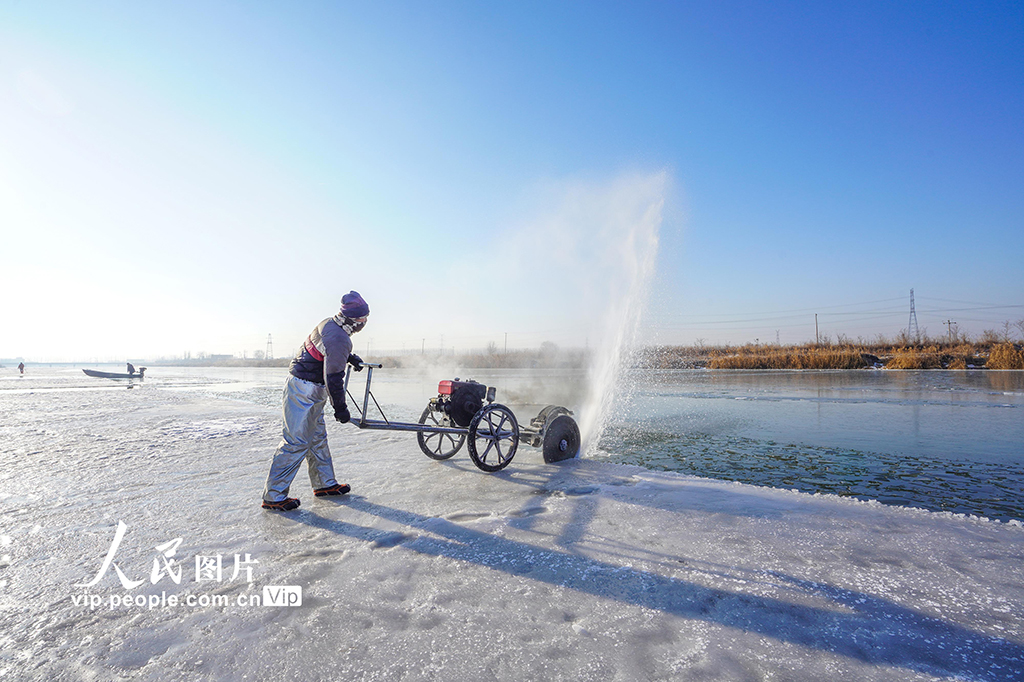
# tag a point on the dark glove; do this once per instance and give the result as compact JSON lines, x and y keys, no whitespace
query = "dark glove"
{"x":356,"y":362}
{"x":341,"y":413}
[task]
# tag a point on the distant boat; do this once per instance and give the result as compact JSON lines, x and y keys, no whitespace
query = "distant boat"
{"x":114,"y":375}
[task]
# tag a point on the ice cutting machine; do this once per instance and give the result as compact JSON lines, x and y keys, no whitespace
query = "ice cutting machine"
{"x":459,"y":413}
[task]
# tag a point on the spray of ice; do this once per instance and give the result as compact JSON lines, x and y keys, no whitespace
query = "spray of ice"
{"x":629,"y":239}
{"x":586,"y":261}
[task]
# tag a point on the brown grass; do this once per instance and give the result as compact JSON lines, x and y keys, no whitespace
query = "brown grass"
{"x":1005,"y":356}
{"x":913,"y":358}
{"x":932,"y":354}
{"x":957,"y":363}
{"x":807,"y":358}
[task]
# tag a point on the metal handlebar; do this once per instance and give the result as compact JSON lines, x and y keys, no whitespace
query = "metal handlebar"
{"x":366,"y":396}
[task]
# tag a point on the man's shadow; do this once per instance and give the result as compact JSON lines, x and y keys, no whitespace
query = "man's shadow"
{"x":860,"y":626}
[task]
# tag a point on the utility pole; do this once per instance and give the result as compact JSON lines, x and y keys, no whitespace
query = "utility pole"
{"x":423,"y":347}
{"x":949,"y":330}
{"x":816,"y":329}
{"x":506,"y":343}
{"x":912,"y":331}
{"x":270,"y":348}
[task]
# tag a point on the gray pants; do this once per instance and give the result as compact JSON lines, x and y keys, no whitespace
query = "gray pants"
{"x":304,"y":437}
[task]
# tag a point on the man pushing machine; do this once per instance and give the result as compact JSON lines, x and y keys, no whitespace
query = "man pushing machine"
{"x":317,"y":375}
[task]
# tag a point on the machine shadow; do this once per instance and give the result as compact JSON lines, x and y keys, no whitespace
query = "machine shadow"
{"x":858,"y":626}
{"x":581,"y":477}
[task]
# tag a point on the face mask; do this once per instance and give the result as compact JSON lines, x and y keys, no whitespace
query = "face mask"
{"x":352,"y":326}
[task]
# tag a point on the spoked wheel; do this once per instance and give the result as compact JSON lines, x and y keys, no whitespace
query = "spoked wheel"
{"x":438,"y":445}
{"x":493,"y":438}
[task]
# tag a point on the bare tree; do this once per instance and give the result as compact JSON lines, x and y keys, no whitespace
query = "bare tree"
{"x":1007,"y":333}
{"x":990,"y":337}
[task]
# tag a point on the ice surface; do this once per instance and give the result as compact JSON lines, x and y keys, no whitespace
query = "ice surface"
{"x":434,"y":570}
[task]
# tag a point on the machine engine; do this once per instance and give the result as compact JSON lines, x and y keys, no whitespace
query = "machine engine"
{"x":460,"y":400}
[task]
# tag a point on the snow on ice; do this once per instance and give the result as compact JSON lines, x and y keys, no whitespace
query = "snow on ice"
{"x":435,"y":570}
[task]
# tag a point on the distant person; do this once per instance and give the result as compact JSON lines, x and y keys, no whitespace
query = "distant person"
{"x":317,"y":375}
{"x":21,"y":367}
{"x":131,"y":368}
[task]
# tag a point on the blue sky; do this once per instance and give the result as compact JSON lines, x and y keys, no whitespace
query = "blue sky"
{"x":196,"y":176}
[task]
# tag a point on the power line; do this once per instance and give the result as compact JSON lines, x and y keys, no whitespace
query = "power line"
{"x":858,"y":315}
{"x":807,"y":310}
{"x":990,"y":307}
{"x":950,"y":300}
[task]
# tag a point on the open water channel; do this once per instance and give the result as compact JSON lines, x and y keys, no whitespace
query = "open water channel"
{"x":939,"y":440}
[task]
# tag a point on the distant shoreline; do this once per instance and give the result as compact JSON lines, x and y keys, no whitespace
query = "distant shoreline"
{"x":930,"y":355}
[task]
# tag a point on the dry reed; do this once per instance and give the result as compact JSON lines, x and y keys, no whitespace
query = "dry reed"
{"x":1005,"y":356}
{"x":913,"y":358}
{"x":808,"y":358}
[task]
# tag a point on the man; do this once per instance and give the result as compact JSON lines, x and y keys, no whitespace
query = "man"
{"x":131,"y":368}
{"x":317,"y":375}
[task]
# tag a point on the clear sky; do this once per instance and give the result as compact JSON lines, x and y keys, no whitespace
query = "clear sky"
{"x":186,"y":177}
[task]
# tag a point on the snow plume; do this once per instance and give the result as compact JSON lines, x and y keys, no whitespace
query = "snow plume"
{"x":629,"y":237}
{"x":591,"y":262}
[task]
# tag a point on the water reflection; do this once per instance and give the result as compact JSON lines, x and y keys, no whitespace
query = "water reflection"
{"x":1011,"y":381}
{"x":940,"y":440}
{"x":994,"y":490}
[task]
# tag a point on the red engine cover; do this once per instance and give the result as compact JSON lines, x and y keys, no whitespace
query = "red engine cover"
{"x":445,"y":387}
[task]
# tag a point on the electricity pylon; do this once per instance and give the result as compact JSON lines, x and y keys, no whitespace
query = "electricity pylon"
{"x":912,"y":331}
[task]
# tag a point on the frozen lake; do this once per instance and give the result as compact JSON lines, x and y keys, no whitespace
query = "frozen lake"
{"x":589,"y":570}
{"x":938,"y":440}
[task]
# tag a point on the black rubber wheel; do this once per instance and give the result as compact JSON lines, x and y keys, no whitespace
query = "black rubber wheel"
{"x":561,"y":439}
{"x":493,"y":438}
{"x":438,"y":445}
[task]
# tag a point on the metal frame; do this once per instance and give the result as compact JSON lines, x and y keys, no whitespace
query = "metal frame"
{"x":386,"y":424}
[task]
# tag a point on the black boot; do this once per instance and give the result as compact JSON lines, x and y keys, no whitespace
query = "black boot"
{"x":336,"y":489}
{"x":286,"y":504}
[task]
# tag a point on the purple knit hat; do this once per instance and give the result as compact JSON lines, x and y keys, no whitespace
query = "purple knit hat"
{"x":353,"y":306}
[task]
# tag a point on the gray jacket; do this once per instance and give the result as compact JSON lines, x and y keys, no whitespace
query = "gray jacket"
{"x":323,"y":356}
